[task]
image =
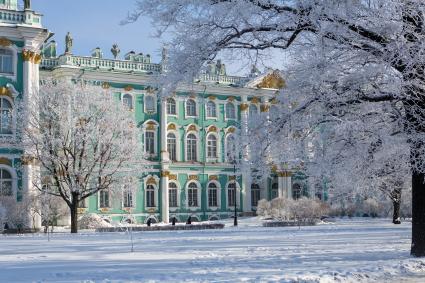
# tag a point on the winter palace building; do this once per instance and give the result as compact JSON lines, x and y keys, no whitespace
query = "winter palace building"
{"x":185,"y":135}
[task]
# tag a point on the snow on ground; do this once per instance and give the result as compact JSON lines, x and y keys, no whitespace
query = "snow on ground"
{"x":356,"y":250}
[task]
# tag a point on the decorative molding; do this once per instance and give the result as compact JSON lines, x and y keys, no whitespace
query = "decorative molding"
{"x":274,"y":101}
{"x":192,"y":128}
{"x":171,"y":127}
{"x":273,"y":81}
{"x":255,"y":100}
{"x":284,"y":174}
{"x":165,"y":173}
{"x":81,"y":210}
{"x":5,"y":161}
{"x":264,"y":108}
{"x":5,"y":42}
{"x":27,"y":55}
{"x":231,"y":130}
{"x":151,"y":181}
{"x":28,"y":160}
{"x":213,"y":178}
{"x":4,"y":91}
{"x":212,"y":128}
{"x":106,"y":85}
{"x":244,"y":107}
{"x":211,"y":97}
{"x":128,"y":88}
{"x":193,"y":177}
{"x":172,"y":177}
{"x":150,"y":126}
{"x":232,"y":178}
{"x":36,"y":59}
{"x":231,"y":98}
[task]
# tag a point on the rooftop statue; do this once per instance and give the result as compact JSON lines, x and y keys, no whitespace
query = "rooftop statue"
{"x":115,"y":50}
{"x":68,"y":43}
{"x":27,"y":4}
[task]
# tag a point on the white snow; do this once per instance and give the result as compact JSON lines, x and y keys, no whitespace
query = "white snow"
{"x":349,"y":250}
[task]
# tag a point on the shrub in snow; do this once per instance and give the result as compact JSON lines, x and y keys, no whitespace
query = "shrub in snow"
{"x":263,"y":208}
{"x":371,"y":207}
{"x":92,"y":221}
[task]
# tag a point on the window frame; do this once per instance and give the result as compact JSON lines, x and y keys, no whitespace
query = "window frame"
{"x":12,"y":115}
{"x":145,"y":108}
{"x":100,"y":203}
{"x":168,"y":105}
{"x":186,"y":113}
{"x":196,"y":151}
{"x":177,"y":189}
{"x":123,"y":101}
{"x":218,"y":195}
{"x":226,"y":111}
{"x":237,"y":194}
{"x":198,"y":195}
{"x":212,"y":103}
{"x":14,"y":50}
{"x":154,"y":195}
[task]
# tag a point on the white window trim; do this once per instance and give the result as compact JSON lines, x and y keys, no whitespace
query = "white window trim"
{"x":155,"y":104}
{"x":155,"y":131}
{"x":197,"y":146}
{"x":178,"y":143}
{"x":155,"y":188}
{"x":173,"y":209}
{"x":226,"y":158}
{"x":15,"y":51}
{"x":235,"y":107}
{"x":133,"y":199}
{"x":12,"y":172}
{"x":199,"y":189}
{"x":212,"y":159}
{"x":145,"y":185}
{"x":109,"y":200}
{"x":256,"y":106}
{"x":14,"y":114}
{"x":196,"y":108}
{"x":177,"y":107}
{"x":132,"y":100}
{"x":214,"y":208}
{"x":216,"y":111}
{"x":238,"y":195}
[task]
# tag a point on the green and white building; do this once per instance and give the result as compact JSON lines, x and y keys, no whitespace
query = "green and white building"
{"x":185,"y":135}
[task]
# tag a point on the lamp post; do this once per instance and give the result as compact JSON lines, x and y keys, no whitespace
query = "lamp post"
{"x":235,"y":220}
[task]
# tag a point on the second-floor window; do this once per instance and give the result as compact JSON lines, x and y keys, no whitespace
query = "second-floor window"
{"x":230,"y":111}
{"x":127,"y":101}
{"x":190,"y":108}
{"x":211,"y":109}
{"x":149,"y":104}
{"x":212,"y":146}
{"x":191,"y":147}
{"x":172,"y":146}
{"x":150,"y":142}
{"x":5,"y":116}
{"x":6,"y":61}
{"x":171,"y":106}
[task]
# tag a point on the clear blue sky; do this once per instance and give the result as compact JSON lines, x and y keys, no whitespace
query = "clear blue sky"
{"x":96,"y":23}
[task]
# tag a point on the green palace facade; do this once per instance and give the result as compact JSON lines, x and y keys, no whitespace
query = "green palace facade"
{"x":185,"y":135}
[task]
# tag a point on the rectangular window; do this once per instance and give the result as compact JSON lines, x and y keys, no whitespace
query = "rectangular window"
{"x":128,"y":199}
{"x":255,"y":196}
{"x":150,"y":142}
{"x":172,"y":148}
{"x":104,"y":199}
{"x":150,"y":198}
{"x":82,"y":203}
{"x":212,"y":148}
{"x":6,"y":61}
{"x":172,"y":197}
{"x":231,"y":197}
{"x":212,"y":197}
{"x":192,"y":197}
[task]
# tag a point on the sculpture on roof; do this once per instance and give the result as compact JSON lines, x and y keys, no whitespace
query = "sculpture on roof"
{"x":27,"y":4}
{"x":115,"y":50}
{"x":68,"y":43}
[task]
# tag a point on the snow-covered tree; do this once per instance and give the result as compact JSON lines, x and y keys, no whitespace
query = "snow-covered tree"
{"x":83,"y":140}
{"x":374,"y":49}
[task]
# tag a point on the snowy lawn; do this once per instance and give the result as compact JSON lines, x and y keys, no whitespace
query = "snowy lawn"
{"x":346,"y":251}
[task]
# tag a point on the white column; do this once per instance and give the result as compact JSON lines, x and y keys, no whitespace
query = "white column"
{"x":246,"y":178}
{"x":163,"y":122}
{"x":165,"y":209}
{"x":285,"y":184}
{"x":281,"y":186}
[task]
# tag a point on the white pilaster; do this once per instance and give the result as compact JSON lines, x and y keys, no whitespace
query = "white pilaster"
{"x":245,"y":170}
{"x":165,"y":209}
{"x":163,"y":122}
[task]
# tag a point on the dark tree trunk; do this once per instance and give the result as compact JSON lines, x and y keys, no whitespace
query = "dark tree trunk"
{"x":396,"y":212}
{"x":74,"y":213}
{"x":418,"y":215}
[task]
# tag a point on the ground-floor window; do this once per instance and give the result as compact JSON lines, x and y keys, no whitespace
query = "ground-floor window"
{"x":128,"y":198}
{"x":5,"y":183}
{"x":255,"y":194}
{"x":275,"y":191}
{"x":296,"y":191}
{"x":103,"y":199}
{"x":231,"y":194}
{"x":212,"y":195}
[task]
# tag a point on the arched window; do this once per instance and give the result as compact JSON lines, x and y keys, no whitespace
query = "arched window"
{"x":172,"y":195}
{"x":191,"y":147}
{"x":172,"y":146}
{"x":212,"y":146}
{"x":230,"y":111}
{"x":149,"y":104}
{"x":127,"y":101}
{"x":150,"y":142}
{"x":255,"y":194}
{"x":211,"y":109}
{"x":192,"y":195}
{"x":275,"y":191}
{"x":190,"y":107}
{"x":171,"y":106}
{"x":5,"y":116}
{"x":253,"y":110}
{"x":296,"y":191}
{"x":5,"y":183}
{"x":128,"y":198}
{"x":231,"y":148}
{"x":150,"y":196}
{"x":6,"y":61}
{"x":231,"y":194}
{"x":212,"y":195}
{"x":104,"y":199}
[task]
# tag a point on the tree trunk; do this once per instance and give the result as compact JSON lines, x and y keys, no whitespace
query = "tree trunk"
{"x":418,"y":215}
{"x":74,"y":213}
{"x":396,"y":212}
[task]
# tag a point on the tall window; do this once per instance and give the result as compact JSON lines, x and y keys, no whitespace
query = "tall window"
{"x":149,"y":104}
{"x":150,"y":142}
{"x":172,"y":146}
{"x":191,"y":147}
{"x":253,"y":110}
{"x":5,"y":183}
{"x":212,"y":146}
{"x":172,"y":195}
{"x":211,"y":109}
{"x":128,"y":198}
{"x":5,"y":116}
{"x":275,"y":192}
{"x":171,"y":106}
{"x":255,"y":194}
{"x":192,"y":195}
{"x":231,"y":148}
{"x":231,"y":194}
{"x":296,"y":191}
{"x":82,"y":203}
{"x":127,"y":101}
{"x":150,"y":196}
{"x":103,"y":199}
{"x":190,"y":107}
{"x":6,"y":61}
{"x":230,"y":110}
{"x":212,"y":195}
